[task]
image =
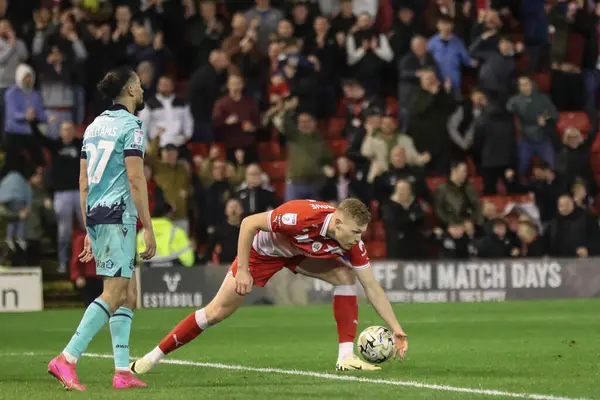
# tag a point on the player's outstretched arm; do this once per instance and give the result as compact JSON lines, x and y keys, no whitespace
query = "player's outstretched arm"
{"x":376,"y":296}
{"x":248,"y":228}
{"x":139,"y":192}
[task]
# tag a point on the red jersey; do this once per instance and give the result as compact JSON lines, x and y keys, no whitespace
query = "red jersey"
{"x":299,"y":228}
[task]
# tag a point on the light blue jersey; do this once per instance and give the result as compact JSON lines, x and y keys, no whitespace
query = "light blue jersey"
{"x":114,"y":135}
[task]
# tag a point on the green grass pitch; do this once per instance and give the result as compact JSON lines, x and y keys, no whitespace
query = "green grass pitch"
{"x":518,"y":349}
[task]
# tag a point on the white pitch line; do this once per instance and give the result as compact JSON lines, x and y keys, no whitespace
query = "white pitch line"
{"x":332,"y":377}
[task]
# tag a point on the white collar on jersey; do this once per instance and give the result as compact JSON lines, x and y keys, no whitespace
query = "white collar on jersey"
{"x":326,"y":225}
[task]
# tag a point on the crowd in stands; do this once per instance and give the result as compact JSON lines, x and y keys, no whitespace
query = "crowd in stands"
{"x":469,"y":127}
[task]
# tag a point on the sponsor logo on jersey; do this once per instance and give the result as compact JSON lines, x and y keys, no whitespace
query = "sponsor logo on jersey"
{"x":138,"y":137}
{"x":105,"y":264}
{"x":316,"y":246}
{"x":289,"y":219}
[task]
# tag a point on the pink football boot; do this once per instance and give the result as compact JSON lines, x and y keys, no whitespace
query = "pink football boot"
{"x":126,"y":380}
{"x":65,"y":372}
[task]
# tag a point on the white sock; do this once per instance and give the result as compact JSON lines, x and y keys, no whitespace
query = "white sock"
{"x":201,"y":319}
{"x":345,"y":350}
{"x":70,"y":358}
{"x":155,"y":355}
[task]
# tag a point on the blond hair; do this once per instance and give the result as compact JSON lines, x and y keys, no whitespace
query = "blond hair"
{"x":356,"y":210}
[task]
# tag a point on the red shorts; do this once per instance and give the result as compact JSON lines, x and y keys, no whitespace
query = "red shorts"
{"x":262,"y":268}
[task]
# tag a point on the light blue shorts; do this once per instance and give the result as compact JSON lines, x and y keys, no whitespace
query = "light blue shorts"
{"x":114,"y":249}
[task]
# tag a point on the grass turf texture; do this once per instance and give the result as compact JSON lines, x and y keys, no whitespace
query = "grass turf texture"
{"x":549,"y":348}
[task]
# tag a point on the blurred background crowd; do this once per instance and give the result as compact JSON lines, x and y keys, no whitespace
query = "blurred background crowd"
{"x":469,"y":127}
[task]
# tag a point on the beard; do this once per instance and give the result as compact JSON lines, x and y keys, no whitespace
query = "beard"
{"x":140,"y":106}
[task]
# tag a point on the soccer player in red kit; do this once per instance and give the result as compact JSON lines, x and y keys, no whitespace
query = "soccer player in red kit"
{"x":310,"y":238}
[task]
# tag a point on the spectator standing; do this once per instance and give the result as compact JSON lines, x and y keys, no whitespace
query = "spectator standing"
{"x":537,"y":117}
{"x":404,"y":222}
{"x":495,"y":142}
{"x":65,"y":155}
{"x":367,"y":52}
{"x":309,"y":157}
{"x":498,"y":71}
{"x":203,"y":91}
{"x":343,"y":22}
{"x":457,"y":198}
{"x":223,"y":241}
{"x":546,"y":189}
{"x":254,"y":198}
{"x":236,"y":119}
{"x":216,"y":194}
{"x":24,"y":110}
{"x":429,"y":109}
{"x":265,"y":18}
{"x":167,"y":116}
{"x":205,"y":33}
{"x":573,"y":158}
{"x":344,"y":184}
{"x":462,"y":123}
{"x":173,"y":177}
{"x":12,"y":53}
{"x":145,"y":47}
{"x":535,"y":32}
{"x":450,"y":54}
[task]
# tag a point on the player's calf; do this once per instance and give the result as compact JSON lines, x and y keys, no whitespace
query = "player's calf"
{"x":225,"y":303}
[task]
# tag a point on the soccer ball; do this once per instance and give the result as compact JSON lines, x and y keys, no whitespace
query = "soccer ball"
{"x":376,"y":344}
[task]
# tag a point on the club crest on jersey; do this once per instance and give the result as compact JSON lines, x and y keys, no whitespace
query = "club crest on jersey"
{"x":289,"y":219}
{"x":316,"y":246}
{"x":138,"y":137}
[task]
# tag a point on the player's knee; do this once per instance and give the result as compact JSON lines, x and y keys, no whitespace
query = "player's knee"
{"x":342,"y":276}
{"x":114,"y":293}
{"x":216,"y":313}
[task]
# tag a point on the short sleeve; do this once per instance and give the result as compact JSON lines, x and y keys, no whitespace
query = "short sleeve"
{"x":289,"y":218}
{"x":134,"y":139}
{"x":358,"y":256}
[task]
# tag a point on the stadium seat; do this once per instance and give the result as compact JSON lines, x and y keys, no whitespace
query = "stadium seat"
{"x":336,"y":126}
{"x":198,"y":149}
{"x":378,"y":231}
{"x":376,"y":250}
{"x":391,"y":106}
{"x":477,"y":183}
{"x":269,"y":151}
{"x":275,"y":169}
{"x":79,"y":130}
{"x":374,"y":207}
{"x":578,"y":119}
{"x":543,"y":80}
{"x":596,"y":145}
{"x":279,"y":186}
{"x":338,"y":147}
{"x":434,"y":182}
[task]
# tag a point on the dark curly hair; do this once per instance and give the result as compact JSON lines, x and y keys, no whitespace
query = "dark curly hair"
{"x":114,"y":81}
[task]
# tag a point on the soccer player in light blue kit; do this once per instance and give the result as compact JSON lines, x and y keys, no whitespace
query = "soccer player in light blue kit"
{"x":113,"y":190}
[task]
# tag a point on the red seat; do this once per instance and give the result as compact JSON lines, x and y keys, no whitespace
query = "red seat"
{"x":378,"y":231}
{"x":376,"y":250}
{"x":338,"y":147}
{"x":275,"y":169}
{"x":279,"y":187}
{"x":269,"y":151}
{"x":335,"y":128}
{"x":543,"y":81}
{"x":477,"y":183}
{"x":198,"y":149}
{"x":577,"y":119}
{"x":434,"y":182}
{"x":374,"y":207}
{"x":391,"y":106}
{"x":79,"y":130}
{"x":596,"y":145}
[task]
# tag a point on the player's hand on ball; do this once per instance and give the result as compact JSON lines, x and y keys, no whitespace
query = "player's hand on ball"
{"x":150,"y":241}
{"x":401,"y":344}
{"x":86,"y":255}
{"x":243,"y":282}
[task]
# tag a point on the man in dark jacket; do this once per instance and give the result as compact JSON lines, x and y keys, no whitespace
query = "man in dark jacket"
{"x":224,"y":238}
{"x":498,"y":72}
{"x":537,"y":116}
{"x":429,"y":109}
{"x":455,"y":245}
{"x":254,"y":198}
{"x":203,"y":91}
{"x":495,"y":143}
{"x":496,"y":243}
{"x":571,"y":232}
{"x":457,"y":198}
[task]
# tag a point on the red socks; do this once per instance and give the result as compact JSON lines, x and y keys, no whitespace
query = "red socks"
{"x":345,"y":311}
{"x":184,"y":332}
